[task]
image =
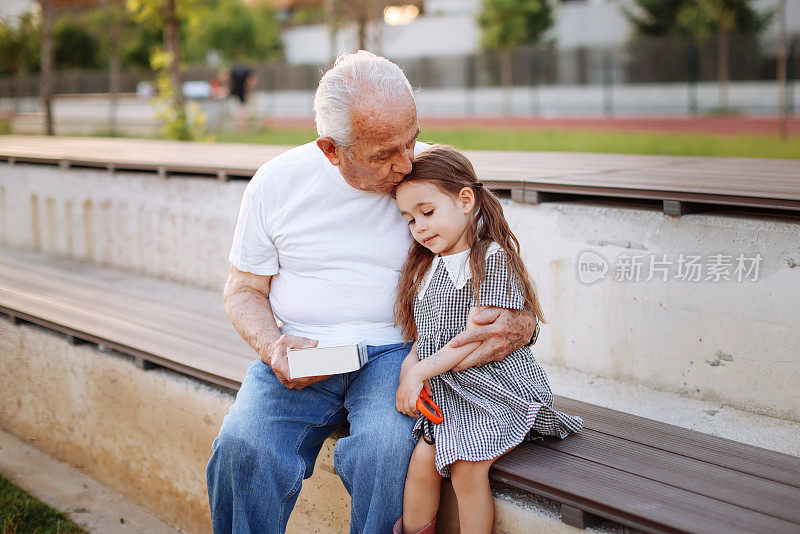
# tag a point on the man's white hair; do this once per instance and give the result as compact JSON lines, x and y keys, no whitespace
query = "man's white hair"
{"x":355,"y":78}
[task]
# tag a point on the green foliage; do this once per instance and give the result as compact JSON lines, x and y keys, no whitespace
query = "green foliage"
{"x":21,"y":512}
{"x":235,"y":30}
{"x":655,"y":18}
{"x":511,"y":23}
{"x":754,"y":146}
{"x":20,"y":46}
{"x":706,"y":18}
{"x":696,"y":18}
{"x":178,"y":120}
{"x":307,"y":15}
{"x":80,"y":40}
{"x":135,"y":51}
{"x":75,"y":46}
{"x":136,"y":39}
{"x":183,"y":124}
{"x":188,"y":124}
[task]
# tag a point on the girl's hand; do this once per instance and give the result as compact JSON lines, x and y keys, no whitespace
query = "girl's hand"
{"x":408,"y":392}
{"x":409,"y":362}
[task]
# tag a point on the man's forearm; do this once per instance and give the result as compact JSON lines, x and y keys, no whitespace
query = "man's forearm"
{"x":251,"y":315}
{"x":502,"y":331}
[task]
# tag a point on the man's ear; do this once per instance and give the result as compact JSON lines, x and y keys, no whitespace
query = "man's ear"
{"x":330,"y":150}
{"x":467,"y":198}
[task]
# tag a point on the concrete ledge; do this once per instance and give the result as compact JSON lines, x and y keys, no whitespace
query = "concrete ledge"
{"x":87,"y":502}
{"x":143,"y":434}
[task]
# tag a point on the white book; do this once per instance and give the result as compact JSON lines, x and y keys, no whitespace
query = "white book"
{"x":320,"y":361}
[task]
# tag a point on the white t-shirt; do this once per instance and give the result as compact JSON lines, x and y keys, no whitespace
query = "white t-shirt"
{"x":335,"y":251}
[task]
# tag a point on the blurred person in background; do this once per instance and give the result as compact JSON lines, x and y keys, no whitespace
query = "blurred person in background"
{"x":240,"y":82}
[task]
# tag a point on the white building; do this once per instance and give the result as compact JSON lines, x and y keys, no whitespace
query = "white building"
{"x":11,"y":10}
{"x":449,"y":28}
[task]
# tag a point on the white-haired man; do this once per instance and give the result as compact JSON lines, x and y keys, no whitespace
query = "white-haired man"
{"x":320,"y":243}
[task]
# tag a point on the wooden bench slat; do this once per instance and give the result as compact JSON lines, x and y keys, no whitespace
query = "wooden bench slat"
{"x":91,"y":291}
{"x":628,"y":499}
{"x":213,"y":332}
{"x":9,"y":265}
{"x":767,"y":182}
{"x":744,"y":490}
{"x":719,"y":451}
{"x":138,"y":153}
{"x":165,"y":349}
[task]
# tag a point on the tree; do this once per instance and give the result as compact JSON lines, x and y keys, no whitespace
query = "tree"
{"x":74,"y":47}
{"x":167,"y":60}
{"x":46,"y":75}
{"x":507,"y":24}
{"x":364,"y":14}
{"x":235,"y":30}
{"x":661,"y":18}
{"x":20,"y":46}
{"x":699,"y":19}
{"x":655,"y":18}
{"x":708,"y":18}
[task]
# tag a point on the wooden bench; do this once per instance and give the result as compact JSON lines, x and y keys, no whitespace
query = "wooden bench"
{"x":648,"y":475}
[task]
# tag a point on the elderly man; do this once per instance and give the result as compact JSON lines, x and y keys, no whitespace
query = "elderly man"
{"x":319,"y":244}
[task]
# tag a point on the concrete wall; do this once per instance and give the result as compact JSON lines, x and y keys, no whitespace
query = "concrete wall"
{"x":180,"y":229}
{"x":732,"y":341}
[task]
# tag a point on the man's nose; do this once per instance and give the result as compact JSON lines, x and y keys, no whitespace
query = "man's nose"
{"x":403,"y":166}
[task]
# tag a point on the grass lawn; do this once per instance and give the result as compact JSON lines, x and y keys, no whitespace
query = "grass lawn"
{"x":21,"y":513}
{"x":569,"y":141}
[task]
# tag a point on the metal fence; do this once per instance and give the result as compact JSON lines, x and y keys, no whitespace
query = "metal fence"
{"x":643,"y":61}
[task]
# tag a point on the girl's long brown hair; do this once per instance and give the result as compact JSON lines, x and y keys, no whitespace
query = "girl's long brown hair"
{"x":450,"y":171}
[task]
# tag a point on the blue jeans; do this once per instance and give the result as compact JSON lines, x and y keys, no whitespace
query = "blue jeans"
{"x":270,"y":439}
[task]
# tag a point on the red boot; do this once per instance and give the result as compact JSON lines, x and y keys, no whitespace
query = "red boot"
{"x":430,"y":528}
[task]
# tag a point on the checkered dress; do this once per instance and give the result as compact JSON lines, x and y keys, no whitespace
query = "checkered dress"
{"x":489,"y":409}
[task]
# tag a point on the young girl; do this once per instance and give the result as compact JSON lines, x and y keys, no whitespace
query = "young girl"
{"x":464,"y":257}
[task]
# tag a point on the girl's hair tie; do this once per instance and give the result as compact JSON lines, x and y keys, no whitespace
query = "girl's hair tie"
{"x":478,"y":185}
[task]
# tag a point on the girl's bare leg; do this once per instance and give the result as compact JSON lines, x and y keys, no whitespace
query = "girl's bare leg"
{"x":423,"y":488}
{"x":475,"y":504}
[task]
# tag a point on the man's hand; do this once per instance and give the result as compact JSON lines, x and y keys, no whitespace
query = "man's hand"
{"x":277,"y":359}
{"x":248,"y":308}
{"x":501,"y":332}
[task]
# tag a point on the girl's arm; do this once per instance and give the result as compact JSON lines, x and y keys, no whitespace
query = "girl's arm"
{"x":442,"y":360}
{"x":413,"y":378}
{"x":409,"y":361}
{"x":405,"y":367}
{"x":451,"y":354}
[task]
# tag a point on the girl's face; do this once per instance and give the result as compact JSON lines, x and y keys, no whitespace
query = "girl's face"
{"x":437,"y":221}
